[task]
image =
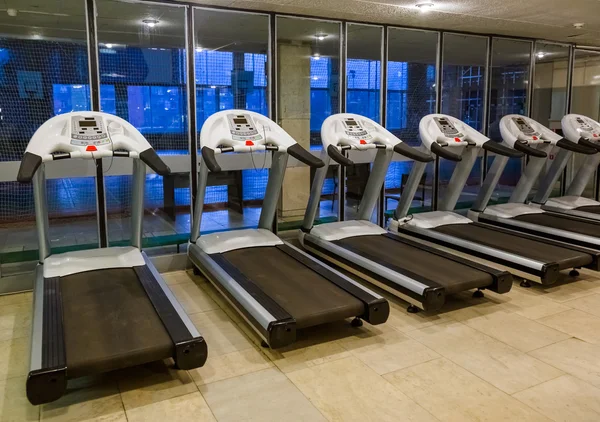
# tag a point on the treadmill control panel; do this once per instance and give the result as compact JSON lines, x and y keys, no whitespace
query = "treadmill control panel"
{"x":243,"y":128}
{"x":88,"y":131}
{"x":524,"y":127}
{"x":584,"y":126}
{"x":355,"y":129}
{"x":447,"y":128}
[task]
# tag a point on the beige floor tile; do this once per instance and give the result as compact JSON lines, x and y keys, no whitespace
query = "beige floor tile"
{"x":153,"y":382}
{"x":98,"y":403}
{"x":231,"y":365}
{"x":495,"y":362}
{"x":176,"y":277}
{"x":564,"y":399}
{"x":347,"y":390}
{"x":14,"y":406}
{"x":517,"y":331}
{"x":266,"y":395}
{"x":389,"y":351}
{"x":221,"y":333}
{"x":16,"y":298}
{"x":576,"y":323}
{"x":15,"y":320}
{"x":452,"y":393}
{"x":193,"y":298}
{"x":404,"y":322}
{"x":14,"y":357}
{"x":589,"y":304}
{"x":220,"y":300}
{"x":575,"y":357}
{"x":569,"y":289}
{"x":190,"y":407}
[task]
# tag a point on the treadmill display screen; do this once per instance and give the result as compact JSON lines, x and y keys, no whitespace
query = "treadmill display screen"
{"x":351,"y":123}
{"x":242,"y":121}
{"x":87,"y":123}
{"x":524,"y":126}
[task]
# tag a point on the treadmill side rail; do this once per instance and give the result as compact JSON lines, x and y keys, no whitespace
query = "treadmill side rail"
{"x":47,"y":378}
{"x":377,"y":308}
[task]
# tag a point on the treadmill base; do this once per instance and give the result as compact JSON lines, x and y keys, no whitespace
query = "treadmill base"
{"x":412,"y":309}
{"x":525,"y":283}
{"x":478,"y":294}
{"x":574,"y":273}
{"x":356,"y":322}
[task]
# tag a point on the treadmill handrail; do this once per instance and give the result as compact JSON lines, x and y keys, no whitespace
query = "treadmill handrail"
{"x":498,"y":148}
{"x":573,"y":147}
{"x":527,"y":150}
{"x":440,"y":151}
{"x":412,"y":153}
{"x":589,"y":144}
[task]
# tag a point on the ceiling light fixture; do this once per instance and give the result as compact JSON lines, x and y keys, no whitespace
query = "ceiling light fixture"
{"x":316,"y":56}
{"x":425,"y":7}
{"x":150,"y":22}
{"x":321,"y":37}
{"x":199,"y":49}
{"x":540,"y":55}
{"x":108,"y":45}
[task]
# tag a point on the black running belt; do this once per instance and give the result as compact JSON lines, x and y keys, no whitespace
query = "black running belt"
{"x":513,"y":243}
{"x":110,"y":323}
{"x":453,"y":276}
{"x":307,"y":296}
{"x":594,"y":209}
{"x":589,"y":228}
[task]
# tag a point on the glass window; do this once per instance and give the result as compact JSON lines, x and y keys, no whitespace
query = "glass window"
{"x":308,"y":70}
{"x":232,"y":73}
{"x":411,"y":94}
{"x":509,"y":95}
{"x":143,"y":71}
{"x":43,"y":72}
{"x":463,"y":96}
{"x":363,"y":96}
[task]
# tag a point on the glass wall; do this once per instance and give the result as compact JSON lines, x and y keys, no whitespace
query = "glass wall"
{"x":43,"y":72}
{"x":464,"y":69}
{"x":411,"y":94}
{"x":508,"y":95}
{"x":308,"y":91}
{"x":231,"y":52}
{"x":585,"y":95}
{"x":363,"y":96}
{"x":142,"y":66}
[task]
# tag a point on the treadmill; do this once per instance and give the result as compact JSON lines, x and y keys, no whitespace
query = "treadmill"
{"x":456,"y":141}
{"x":417,"y":273}
{"x":519,"y":132}
{"x":102,"y":309}
{"x":276,"y":287}
{"x":584,"y":131}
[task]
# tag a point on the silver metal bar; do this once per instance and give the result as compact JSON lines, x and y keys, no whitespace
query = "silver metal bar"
{"x":225,"y":281}
{"x":544,"y":229}
{"x":586,"y":171}
{"x":490,"y":183}
{"x":476,"y":247}
{"x":273,"y":191}
{"x":176,"y":305}
{"x":529,"y":176}
{"x":315,"y":192}
{"x":374,"y":183}
{"x":573,"y":212}
{"x":37,"y":323}
{"x":459,"y":178}
{"x":137,"y":203}
{"x":367,"y":264}
{"x":412,"y":184}
{"x":40,"y":200}
{"x":202,"y":182}
{"x":546,"y":185}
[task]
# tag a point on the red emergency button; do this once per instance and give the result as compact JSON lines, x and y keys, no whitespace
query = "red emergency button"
{"x":363,"y":142}
{"x":91,"y":148}
{"x":457,"y":140}
{"x":249,"y":143}
{"x":535,"y":138}
{"x":595,"y":135}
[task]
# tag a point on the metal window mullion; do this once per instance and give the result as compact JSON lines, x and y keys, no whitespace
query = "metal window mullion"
{"x":341,"y":194}
{"x":486,"y":102}
{"x":190,"y":42}
{"x":438,"y":108}
{"x":383,"y":112}
{"x":272,"y":81}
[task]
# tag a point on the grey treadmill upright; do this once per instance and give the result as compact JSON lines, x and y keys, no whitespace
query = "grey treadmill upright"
{"x":582,"y":130}
{"x":101,"y":309}
{"x":456,"y":141}
{"x":523,"y":132}
{"x":276,"y":287}
{"x":422,"y":275}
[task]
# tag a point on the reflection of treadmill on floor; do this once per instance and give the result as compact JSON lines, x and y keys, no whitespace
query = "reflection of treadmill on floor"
{"x":102,"y":309}
{"x":443,"y":135}
{"x":521,"y":132}
{"x":275,"y":286}
{"x":421,"y":275}
{"x":584,"y":131}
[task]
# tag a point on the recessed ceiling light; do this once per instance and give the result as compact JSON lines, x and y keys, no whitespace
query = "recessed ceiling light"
{"x":540,"y":55}
{"x":425,"y":7}
{"x":316,"y":56}
{"x":151,"y":22}
{"x":321,"y":37}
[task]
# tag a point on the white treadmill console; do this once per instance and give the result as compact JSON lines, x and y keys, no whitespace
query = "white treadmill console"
{"x":357,"y":129}
{"x":447,"y":127}
{"x":88,"y":130}
{"x":576,"y":126}
{"x":243,"y":128}
{"x":441,"y":130}
{"x":515,"y":127}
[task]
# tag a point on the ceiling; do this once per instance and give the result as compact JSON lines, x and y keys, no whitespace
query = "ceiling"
{"x":541,"y":19}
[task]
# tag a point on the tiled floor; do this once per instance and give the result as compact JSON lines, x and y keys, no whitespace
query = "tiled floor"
{"x":530,"y":355}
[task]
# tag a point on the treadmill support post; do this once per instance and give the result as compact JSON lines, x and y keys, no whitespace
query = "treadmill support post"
{"x":374,"y":183}
{"x":202,"y":182}
{"x":489,"y":184}
{"x":529,"y":176}
{"x":274,"y":185}
{"x":410,"y":189}
{"x":315,"y":193}
{"x":459,"y":178}
{"x":41,"y":212}
{"x":137,"y":203}
{"x":547,"y":183}
{"x":584,"y":175}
